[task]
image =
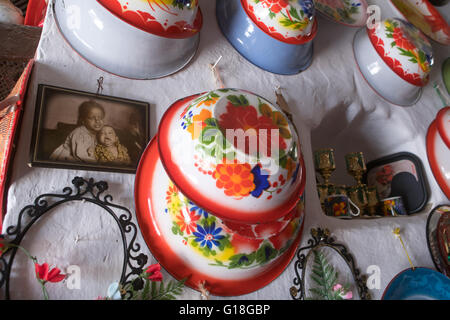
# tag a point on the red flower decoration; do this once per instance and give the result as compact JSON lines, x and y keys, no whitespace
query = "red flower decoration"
{"x":385,"y":175}
{"x":43,"y":273}
{"x":402,"y":41}
{"x":245,"y":118}
{"x":187,"y":221}
{"x":154,"y":272}
{"x":276,"y":5}
{"x":437,"y":24}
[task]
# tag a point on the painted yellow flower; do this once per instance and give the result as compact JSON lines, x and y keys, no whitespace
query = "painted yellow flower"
{"x":173,"y":200}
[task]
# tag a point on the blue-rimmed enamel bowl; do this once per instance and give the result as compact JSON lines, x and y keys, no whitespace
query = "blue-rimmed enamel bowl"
{"x":259,"y":33}
{"x":418,"y":284}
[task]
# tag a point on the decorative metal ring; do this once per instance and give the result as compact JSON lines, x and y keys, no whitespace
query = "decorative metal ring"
{"x":82,"y":190}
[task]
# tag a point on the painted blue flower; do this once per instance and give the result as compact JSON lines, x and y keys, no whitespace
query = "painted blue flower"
{"x":308,"y":7}
{"x":260,"y":180}
{"x":208,"y":235}
{"x":198,"y":210}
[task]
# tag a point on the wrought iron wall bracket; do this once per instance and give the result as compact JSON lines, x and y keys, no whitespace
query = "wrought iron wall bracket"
{"x":320,"y":239}
{"x":86,"y":191}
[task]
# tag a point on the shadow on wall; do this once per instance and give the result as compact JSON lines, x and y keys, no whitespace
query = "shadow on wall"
{"x":374,"y":131}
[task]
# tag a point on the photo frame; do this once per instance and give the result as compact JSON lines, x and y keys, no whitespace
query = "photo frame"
{"x":87,"y":131}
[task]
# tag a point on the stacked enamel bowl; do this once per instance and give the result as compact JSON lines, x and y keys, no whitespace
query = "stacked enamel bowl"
{"x":218,"y":191}
{"x":438,"y":149}
{"x":274,"y":35}
{"x":395,"y":58}
{"x":132,"y":38}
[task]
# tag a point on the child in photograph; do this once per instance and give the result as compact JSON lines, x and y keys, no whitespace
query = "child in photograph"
{"x":80,"y":143}
{"x":109,"y":149}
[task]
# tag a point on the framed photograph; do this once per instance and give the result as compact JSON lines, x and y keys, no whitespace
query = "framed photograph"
{"x":87,"y":131}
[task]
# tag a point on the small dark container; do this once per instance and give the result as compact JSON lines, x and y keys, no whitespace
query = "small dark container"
{"x":400,"y":174}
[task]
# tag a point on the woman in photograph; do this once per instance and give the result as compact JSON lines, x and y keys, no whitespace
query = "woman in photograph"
{"x":80,"y":143}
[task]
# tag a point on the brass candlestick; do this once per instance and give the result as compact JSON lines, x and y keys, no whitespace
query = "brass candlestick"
{"x":358,"y":194}
{"x":356,"y":166}
{"x":324,"y":192}
{"x":373,"y":200}
{"x":324,"y":163}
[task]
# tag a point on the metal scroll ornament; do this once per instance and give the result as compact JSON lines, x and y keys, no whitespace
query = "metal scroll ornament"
{"x":85,"y":191}
{"x":321,"y":238}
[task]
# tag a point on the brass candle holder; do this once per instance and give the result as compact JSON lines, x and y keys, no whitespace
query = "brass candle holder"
{"x":356,"y":166}
{"x":325,"y":164}
{"x":373,"y":201}
{"x":358,"y":194}
{"x":324,"y":191}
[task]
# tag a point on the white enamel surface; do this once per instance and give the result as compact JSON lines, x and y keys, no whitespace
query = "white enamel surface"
{"x":445,"y":120}
{"x":164,"y":13}
{"x":184,"y":150}
{"x":442,"y":156}
{"x":380,"y":76}
{"x":192,"y":258}
{"x":415,"y":38}
{"x":117,"y":47}
{"x":262,"y":13}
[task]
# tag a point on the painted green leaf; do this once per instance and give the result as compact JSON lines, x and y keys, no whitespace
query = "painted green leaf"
{"x":265,"y":110}
{"x":238,"y":100}
{"x":212,"y":122}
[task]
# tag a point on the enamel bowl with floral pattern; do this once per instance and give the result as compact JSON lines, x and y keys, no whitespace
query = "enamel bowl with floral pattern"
{"x":132,"y":38}
{"x":438,"y":149}
{"x":426,"y":17}
{"x":395,"y":58}
{"x":192,"y":244}
{"x":352,"y":13}
{"x":234,"y":154}
{"x":275,"y":35}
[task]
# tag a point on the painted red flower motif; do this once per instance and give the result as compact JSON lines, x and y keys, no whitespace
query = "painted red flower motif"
{"x":385,"y":175}
{"x":276,"y":5}
{"x":245,"y":118}
{"x":44,"y":275}
{"x":154,"y":272}
{"x":187,"y":221}
{"x":437,"y":24}
{"x":402,"y":41}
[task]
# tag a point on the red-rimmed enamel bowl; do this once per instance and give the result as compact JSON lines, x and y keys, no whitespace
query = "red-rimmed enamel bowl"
{"x":170,"y":19}
{"x":113,"y":44}
{"x":292,"y":22}
{"x":424,"y":16}
{"x":192,"y":244}
{"x":396,"y":60}
{"x":276,"y":36}
{"x":443,"y":125}
{"x":234,"y":154}
{"x":439,"y":158}
{"x":351,"y":13}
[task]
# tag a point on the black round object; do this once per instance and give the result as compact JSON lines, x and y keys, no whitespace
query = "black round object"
{"x":405,"y":185}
